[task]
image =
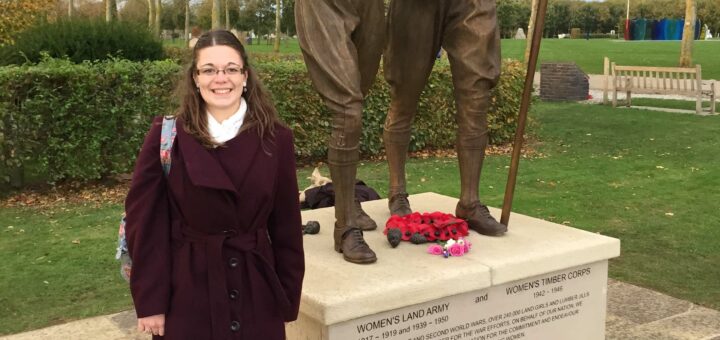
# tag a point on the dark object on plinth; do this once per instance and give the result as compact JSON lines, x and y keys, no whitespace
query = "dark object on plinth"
{"x":312,"y":228}
{"x":563,"y":81}
{"x":394,"y":236}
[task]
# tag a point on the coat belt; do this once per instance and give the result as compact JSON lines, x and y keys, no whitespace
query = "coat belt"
{"x":248,"y":244}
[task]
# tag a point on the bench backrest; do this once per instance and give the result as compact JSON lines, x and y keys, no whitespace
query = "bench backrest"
{"x":657,"y":79}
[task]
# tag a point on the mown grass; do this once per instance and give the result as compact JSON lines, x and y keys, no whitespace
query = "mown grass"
{"x":58,"y":265}
{"x":648,"y":178}
{"x":588,"y":54}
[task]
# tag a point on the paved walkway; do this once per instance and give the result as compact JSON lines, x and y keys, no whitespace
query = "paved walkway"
{"x":632,"y":313}
{"x":596,"y":84}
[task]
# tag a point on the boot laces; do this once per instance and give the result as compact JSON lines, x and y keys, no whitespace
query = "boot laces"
{"x":481,"y":210}
{"x":484,"y":211}
{"x":357,"y":235}
{"x":401,"y":198}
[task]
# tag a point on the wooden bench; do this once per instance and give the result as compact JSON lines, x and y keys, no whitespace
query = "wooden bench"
{"x":684,"y":81}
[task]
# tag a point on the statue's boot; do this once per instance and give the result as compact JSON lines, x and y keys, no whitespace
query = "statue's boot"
{"x":363,"y":221}
{"x":348,"y":236}
{"x":396,"y":149}
{"x":479,"y":219}
{"x":472,"y":139}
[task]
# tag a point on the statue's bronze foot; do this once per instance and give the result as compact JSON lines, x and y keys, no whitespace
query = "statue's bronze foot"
{"x":350,"y":242}
{"x":399,"y":204}
{"x":479,"y":219}
{"x":363,"y":221}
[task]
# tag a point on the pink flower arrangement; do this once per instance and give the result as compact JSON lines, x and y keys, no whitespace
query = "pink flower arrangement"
{"x":450,"y":247}
{"x":435,"y":249}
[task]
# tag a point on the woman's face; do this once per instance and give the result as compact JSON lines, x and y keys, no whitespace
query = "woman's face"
{"x":220,"y":77}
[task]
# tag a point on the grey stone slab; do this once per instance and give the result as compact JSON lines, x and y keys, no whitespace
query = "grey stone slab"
{"x":616,"y":327}
{"x":642,"y":306}
{"x":697,"y":323}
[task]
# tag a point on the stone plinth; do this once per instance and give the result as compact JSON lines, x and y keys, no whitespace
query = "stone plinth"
{"x":540,"y":279}
{"x":563,"y":81}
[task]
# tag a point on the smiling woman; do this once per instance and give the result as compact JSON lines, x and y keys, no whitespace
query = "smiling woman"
{"x":221,"y":89}
{"x":216,"y":244}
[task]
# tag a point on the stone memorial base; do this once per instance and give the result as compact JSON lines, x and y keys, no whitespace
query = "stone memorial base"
{"x":541,"y":280}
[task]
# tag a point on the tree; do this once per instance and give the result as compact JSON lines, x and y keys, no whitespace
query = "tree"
{"x":688,"y":34}
{"x":557,"y":19}
{"x":187,"y":20}
{"x":287,"y":23}
{"x":216,"y":14}
{"x":276,"y":47}
{"x":511,"y":15}
{"x":18,"y":15}
{"x":71,"y":8}
{"x":151,"y":15}
{"x":158,"y":16}
{"x":134,"y":11}
{"x":227,"y":14}
{"x":110,"y":10}
{"x":531,"y":29}
{"x":585,"y":17}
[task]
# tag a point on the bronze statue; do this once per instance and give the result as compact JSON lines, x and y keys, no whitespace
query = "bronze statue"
{"x":467,"y":30}
{"x":341,"y":42}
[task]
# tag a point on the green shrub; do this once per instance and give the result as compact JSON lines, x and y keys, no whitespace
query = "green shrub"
{"x":434,"y":127}
{"x":80,"y":121}
{"x":180,"y":54}
{"x":86,"y":121}
{"x":81,"y":40}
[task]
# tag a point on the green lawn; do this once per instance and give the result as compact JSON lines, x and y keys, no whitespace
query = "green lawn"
{"x":588,"y":54}
{"x":648,"y":178}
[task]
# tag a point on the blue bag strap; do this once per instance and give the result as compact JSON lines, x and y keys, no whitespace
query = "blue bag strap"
{"x":167,"y":138}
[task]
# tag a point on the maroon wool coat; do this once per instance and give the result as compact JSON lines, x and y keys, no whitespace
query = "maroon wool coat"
{"x":217,"y":244}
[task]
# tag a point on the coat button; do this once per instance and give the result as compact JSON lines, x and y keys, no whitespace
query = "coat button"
{"x":234,"y":326}
{"x":234,"y":294}
{"x":233,"y":262}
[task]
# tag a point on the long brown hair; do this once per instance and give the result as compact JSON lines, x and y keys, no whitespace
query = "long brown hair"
{"x":261,"y":115}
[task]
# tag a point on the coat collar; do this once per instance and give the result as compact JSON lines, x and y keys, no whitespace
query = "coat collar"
{"x":205,"y":170}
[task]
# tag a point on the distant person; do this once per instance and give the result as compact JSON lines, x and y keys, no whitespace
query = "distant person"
{"x":217,"y":244}
{"x":468,"y":32}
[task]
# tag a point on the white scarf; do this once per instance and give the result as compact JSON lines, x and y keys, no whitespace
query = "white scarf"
{"x":225,"y":131}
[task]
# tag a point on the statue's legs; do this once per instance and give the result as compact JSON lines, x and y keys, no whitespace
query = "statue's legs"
{"x":413,"y":43}
{"x":472,"y":42}
{"x":467,"y":30}
{"x":342,"y":42}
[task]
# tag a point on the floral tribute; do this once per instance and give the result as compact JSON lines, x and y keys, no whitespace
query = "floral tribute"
{"x":450,"y":247}
{"x":426,"y":227}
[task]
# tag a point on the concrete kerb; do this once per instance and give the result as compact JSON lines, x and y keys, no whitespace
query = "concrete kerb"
{"x":597,"y":83}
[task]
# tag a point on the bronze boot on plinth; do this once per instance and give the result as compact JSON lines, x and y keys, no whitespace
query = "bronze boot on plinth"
{"x":348,"y":235}
{"x":362,"y":219}
{"x":350,"y":242}
{"x":471,"y":142}
{"x":399,"y":204}
{"x":479,"y":219}
{"x":396,"y":149}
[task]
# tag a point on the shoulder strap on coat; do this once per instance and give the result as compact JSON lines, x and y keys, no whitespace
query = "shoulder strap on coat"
{"x":167,"y":137}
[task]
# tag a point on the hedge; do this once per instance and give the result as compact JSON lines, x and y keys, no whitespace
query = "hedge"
{"x":64,"y":121}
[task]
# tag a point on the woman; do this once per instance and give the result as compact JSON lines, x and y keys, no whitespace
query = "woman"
{"x":217,"y":243}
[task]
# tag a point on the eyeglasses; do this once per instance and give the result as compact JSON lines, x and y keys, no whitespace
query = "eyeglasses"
{"x":228,"y":71}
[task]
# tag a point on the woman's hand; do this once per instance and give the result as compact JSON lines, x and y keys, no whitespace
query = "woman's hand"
{"x":154,"y":325}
